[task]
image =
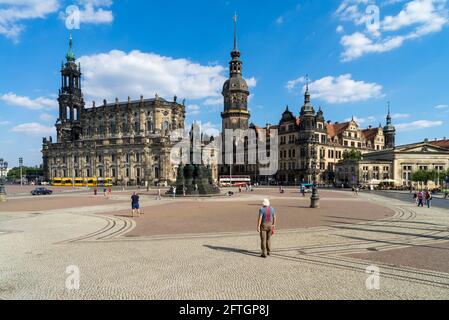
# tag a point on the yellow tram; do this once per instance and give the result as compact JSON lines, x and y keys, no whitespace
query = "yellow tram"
{"x":82,"y":182}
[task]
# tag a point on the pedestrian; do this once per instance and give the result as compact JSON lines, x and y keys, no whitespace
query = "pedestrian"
{"x":104,"y":191}
{"x":446,"y":194}
{"x":135,"y":204}
{"x":159,"y":194}
{"x":266,"y":227}
{"x":109,"y":190}
{"x":420,"y":199}
{"x":429,"y":199}
{"x":183,"y":191}
{"x":95,"y":191}
{"x":174,"y":192}
{"x":415,"y":198}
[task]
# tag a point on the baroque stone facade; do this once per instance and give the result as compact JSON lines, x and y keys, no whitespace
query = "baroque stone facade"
{"x":126,"y":141}
{"x":310,"y":147}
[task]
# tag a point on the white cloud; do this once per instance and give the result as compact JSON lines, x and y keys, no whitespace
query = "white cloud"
{"x":47,"y":117}
{"x":13,"y":14}
{"x":93,"y":12}
{"x":416,"y":19}
{"x":291,"y":85}
{"x":4,"y":123}
{"x":343,"y":89}
{"x":251,"y":82}
{"x":362,"y":121}
{"x":213,"y":101}
{"x":34,"y":129}
{"x":120,"y":74}
{"x":400,"y":115}
{"x":29,"y":103}
{"x":358,"y":44}
{"x":210,"y":129}
{"x":442,"y":106}
{"x":193,"y":109}
{"x":417,"y":125}
{"x":340,"y":29}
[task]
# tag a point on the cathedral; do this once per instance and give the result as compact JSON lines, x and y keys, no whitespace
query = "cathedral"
{"x":127,"y":141}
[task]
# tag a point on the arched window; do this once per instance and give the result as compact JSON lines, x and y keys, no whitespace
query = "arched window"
{"x":150,"y":126}
{"x":165,"y":125}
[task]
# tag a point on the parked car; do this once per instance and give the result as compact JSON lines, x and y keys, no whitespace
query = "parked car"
{"x":41,"y":192}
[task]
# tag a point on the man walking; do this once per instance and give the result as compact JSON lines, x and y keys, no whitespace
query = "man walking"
{"x":159,"y":194}
{"x":429,"y":199}
{"x":266,"y":226}
{"x":420,"y":199}
{"x":135,"y":204}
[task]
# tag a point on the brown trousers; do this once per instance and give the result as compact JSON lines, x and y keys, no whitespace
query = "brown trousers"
{"x":266,"y":230}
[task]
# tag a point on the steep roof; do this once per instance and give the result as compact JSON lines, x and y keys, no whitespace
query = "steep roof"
{"x":441,"y":143}
{"x":335,"y":129}
{"x":370,"y":134}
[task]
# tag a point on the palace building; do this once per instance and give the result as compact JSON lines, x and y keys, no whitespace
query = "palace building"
{"x":310,"y":147}
{"x":126,"y":141}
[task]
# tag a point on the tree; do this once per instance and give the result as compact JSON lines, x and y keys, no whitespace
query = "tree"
{"x":353,"y":154}
{"x":14,"y":173}
{"x":424,"y":176}
{"x":419,"y":176}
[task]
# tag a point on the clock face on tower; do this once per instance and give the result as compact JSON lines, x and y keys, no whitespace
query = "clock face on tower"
{"x":234,"y":121}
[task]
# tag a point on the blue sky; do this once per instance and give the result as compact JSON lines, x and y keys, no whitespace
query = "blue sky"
{"x":356,"y":62}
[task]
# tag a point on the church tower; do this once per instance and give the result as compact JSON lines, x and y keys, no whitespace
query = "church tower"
{"x":235,"y":92}
{"x":71,"y":103}
{"x":389,"y":132}
{"x":307,"y":119}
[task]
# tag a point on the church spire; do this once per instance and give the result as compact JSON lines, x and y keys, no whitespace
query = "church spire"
{"x":307,"y":108}
{"x":235,"y":64}
{"x":307,"y":93}
{"x":389,"y":118}
{"x":70,"y":54}
{"x":235,"y":32}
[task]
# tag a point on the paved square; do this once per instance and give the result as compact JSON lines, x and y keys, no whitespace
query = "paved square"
{"x":209,"y":249}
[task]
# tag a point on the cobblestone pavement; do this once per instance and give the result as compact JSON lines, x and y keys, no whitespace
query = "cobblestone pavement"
{"x":307,"y":263}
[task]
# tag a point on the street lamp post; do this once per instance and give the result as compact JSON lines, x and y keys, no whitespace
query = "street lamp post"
{"x":315,"y":199}
{"x":3,"y":168}
{"x":21,"y":165}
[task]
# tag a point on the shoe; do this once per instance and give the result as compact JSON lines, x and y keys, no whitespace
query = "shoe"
{"x":269,"y":253}
{"x":262,"y":256}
